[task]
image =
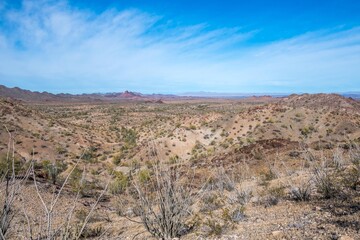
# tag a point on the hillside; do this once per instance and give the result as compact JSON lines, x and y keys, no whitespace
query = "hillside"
{"x":259,"y":147}
{"x":318,"y":101}
{"x":316,"y":120}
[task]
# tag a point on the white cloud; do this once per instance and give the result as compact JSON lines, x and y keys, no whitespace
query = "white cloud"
{"x":57,"y":47}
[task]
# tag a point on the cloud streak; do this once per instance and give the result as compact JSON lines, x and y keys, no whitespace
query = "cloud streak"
{"x":55,"y":47}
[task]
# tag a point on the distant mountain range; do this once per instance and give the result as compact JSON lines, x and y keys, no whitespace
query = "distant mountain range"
{"x":245,"y":95}
{"x":231,"y":95}
{"x":355,"y":95}
{"x":30,"y":96}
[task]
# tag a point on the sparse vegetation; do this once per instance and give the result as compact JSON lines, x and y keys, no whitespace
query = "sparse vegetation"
{"x":181,"y":169}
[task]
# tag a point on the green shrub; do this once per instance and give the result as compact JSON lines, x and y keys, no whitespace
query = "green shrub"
{"x":119,"y":183}
{"x":117,"y":158}
{"x":6,"y":166}
{"x":61,"y":150}
{"x":192,"y":127}
{"x":79,"y":184}
{"x":53,"y":170}
{"x":174,"y":159}
{"x":89,"y":154}
{"x":144,"y":175}
{"x":129,"y":136}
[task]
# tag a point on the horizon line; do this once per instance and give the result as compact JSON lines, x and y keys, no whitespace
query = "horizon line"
{"x":202,"y":93}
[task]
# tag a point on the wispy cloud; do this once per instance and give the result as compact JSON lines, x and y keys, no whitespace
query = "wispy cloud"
{"x":53,"y":46}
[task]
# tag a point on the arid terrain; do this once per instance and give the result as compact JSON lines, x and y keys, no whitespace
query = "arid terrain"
{"x":250,"y":168}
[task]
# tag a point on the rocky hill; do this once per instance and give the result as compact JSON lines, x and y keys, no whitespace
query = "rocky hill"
{"x":318,"y":101}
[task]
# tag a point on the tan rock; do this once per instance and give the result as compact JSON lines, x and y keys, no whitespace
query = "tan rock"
{"x":277,"y":234}
{"x":124,"y":170}
{"x":346,"y":238}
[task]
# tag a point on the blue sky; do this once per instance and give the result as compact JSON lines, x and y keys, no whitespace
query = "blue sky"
{"x":180,"y":46}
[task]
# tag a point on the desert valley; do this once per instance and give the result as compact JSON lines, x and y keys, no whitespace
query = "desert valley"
{"x":133,"y":166}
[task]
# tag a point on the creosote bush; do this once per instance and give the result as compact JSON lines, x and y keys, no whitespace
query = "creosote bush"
{"x":117,"y":158}
{"x":80,"y":184}
{"x":53,"y":169}
{"x":119,"y":183}
{"x":144,"y":176}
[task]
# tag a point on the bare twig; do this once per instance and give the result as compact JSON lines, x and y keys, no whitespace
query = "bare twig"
{"x":92,"y":209}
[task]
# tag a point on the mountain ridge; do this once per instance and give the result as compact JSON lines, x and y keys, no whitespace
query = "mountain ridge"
{"x":36,"y":96}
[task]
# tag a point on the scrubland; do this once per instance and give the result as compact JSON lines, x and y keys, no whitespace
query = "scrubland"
{"x":257,"y":168}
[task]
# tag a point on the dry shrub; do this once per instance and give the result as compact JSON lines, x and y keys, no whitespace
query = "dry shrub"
{"x":352,"y":175}
{"x":326,"y":181}
{"x":241,"y":196}
{"x":301,"y":191}
{"x":166,"y":202}
{"x":272,"y":195}
{"x":211,"y":201}
{"x":11,"y":187}
{"x":220,"y":181}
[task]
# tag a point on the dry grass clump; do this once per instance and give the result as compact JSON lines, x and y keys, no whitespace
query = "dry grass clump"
{"x":338,"y":175}
{"x":222,"y":205}
{"x":302,"y":191}
{"x":326,"y":181}
{"x":352,"y":173}
{"x":220,"y":181}
{"x":330,"y":177}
